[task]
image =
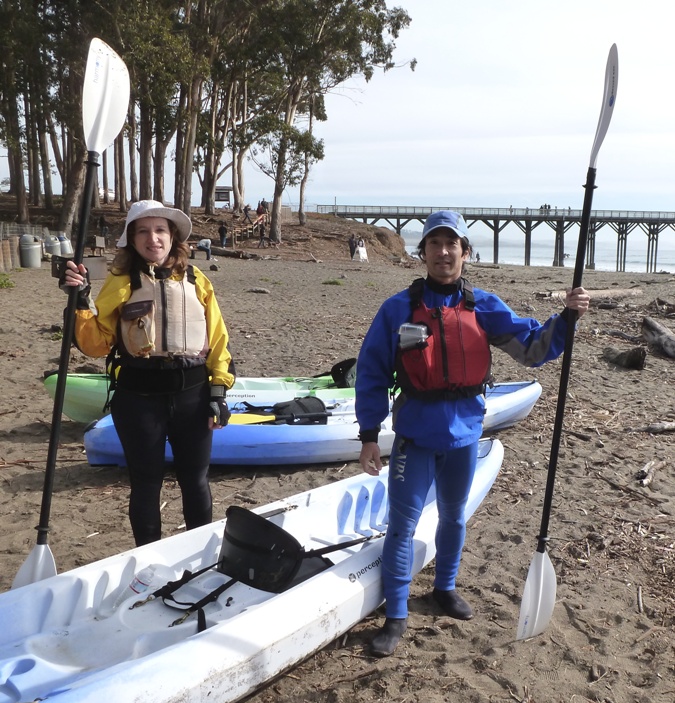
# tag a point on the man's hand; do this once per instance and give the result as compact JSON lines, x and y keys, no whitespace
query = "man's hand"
{"x":370,"y":458}
{"x":577,"y":299}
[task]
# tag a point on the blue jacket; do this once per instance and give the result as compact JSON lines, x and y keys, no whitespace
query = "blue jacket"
{"x":444,"y":424}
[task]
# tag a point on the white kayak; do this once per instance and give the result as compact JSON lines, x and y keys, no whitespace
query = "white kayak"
{"x":62,"y":639}
{"x":337,"y":440}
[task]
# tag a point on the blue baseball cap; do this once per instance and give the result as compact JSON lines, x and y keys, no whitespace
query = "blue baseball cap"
{"x":446,"y":218}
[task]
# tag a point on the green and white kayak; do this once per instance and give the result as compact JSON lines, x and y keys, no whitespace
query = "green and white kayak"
{"x":86,"y":393}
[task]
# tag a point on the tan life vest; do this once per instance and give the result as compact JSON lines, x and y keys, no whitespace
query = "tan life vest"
{"x":163,"y":318}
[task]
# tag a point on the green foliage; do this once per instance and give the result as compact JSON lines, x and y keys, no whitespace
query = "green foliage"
{"x":332,"y":282}
{"x":6,"y":281}
{"x":211,"y":74}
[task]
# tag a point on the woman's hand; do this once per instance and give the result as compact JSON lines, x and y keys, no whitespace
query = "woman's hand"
{"x":577,"y":299}
{"x":74,"y":275}
{"x":219,"y":412}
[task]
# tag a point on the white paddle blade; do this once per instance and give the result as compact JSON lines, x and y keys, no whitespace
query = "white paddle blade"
{"x":105,"y":96}
{"x":608,"y":102}
{"x":538,"y":601}
{"x":39,"y":565}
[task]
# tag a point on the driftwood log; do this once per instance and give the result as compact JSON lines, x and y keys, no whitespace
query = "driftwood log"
{"x":655,"y":428}
{"x":623,"y":335}
{"x":646,"y":474}
{"x":628,"y":358}
{"x":598,"y":294}
{"x":659,"y":336}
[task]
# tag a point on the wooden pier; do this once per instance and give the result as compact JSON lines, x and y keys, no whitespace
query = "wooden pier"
{"x":527,"y":219}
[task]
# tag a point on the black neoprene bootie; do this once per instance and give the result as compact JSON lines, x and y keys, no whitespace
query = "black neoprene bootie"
{"x":453,"y":604}
{"x":385,"y":641}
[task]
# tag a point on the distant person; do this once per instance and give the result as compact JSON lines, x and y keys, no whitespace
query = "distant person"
{"x":247,"y":218}
{"x":438,"y":413}
{"x":222,"y":233}
{"x":352,"y":245}
{"x":103,"y":226}
{"x":261,"y":240}
{"x":478,"y":257}
{"x":361,"y":250}
{"x":202,"y":245}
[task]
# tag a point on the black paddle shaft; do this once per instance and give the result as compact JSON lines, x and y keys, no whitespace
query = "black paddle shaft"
{"x":542,"y":539}
{"x":64,"y":359}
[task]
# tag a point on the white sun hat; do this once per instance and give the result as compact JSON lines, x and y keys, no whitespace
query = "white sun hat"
{"x":153,"y":208}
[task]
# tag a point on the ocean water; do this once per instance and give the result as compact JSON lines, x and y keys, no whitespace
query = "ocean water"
{"x":512,"y":248}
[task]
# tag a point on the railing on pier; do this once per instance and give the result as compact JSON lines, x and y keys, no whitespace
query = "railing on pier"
{"x":559,"y":219}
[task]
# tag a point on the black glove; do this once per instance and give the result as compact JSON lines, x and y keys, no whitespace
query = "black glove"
{"x":218,"y":406}
{"x":83,"y":291}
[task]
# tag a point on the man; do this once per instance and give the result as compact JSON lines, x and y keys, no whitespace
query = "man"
{"x":440,"y":362}
{"x":222,"y":233}
{"x":352,"y":245}
{"x":202,"y":245}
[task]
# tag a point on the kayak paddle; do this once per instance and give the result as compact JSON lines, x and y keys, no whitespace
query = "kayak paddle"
{"x":252,"y":418}
{"x":105,"y":100}
{"x":538,"y":601}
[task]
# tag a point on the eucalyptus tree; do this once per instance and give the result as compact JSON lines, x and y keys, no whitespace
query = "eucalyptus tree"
{"x":320,"y":44}
{"x":227,"y":84}
{"x":159,"y":58}
{"x":12,"y":29}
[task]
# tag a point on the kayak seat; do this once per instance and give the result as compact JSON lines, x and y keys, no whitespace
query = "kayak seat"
{"x":263,"y":555}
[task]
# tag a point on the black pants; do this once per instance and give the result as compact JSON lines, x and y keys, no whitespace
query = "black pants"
{"x":143,"y":423}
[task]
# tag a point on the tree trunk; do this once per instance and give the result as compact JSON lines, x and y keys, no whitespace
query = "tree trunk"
{"x":14,"y":157}
{"x":179,"y":175}
{"x":145,"y":151}
{"x":302,"y":217}
{"x":238,"y":185}
{"x":158,"y":183}
{"x":56,"y":149}
{"x":104,"y":176}
{"x":190,"y":141}
{"x":72,"y":191}
{"x":120,"y":177}
{"x":46,"y":165}
{"x":32,"y":152}
{"x":275,"y":224}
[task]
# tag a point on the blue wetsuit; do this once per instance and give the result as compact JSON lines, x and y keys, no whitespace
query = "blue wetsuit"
{"x":436,"y":440}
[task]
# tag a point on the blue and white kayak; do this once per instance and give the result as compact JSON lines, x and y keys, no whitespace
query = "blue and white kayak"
{"x":271,"y":444}
{"x":69,"y":639}
{"x":254,"y":444}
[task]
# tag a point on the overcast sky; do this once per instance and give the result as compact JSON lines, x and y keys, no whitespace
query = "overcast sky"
{"x":502,"y":110}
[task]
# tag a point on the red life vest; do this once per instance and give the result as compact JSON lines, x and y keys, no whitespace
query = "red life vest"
{"x":455,"y":360}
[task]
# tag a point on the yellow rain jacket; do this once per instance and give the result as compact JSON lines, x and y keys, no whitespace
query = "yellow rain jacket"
{"x":97,"y":328}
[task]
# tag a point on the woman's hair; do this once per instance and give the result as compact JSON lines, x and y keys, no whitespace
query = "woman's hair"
{"x":128,"y":259}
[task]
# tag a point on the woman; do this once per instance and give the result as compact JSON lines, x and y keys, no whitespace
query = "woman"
{"x":159,"y":317}
{"x":436,"y":337}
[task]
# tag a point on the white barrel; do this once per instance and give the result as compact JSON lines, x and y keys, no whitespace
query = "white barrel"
{"x":52,"y":245}
{"x":30,"y":252}
{"x":66,"y":246}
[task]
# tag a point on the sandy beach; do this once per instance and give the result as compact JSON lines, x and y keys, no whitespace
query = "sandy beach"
{"x":612,"y":539}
